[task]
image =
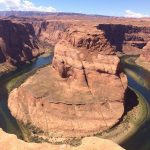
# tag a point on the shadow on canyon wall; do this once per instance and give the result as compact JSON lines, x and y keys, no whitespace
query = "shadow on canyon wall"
{"x":120,"y":35}
{"x":115,"y":34}
{"x":131,"y":101}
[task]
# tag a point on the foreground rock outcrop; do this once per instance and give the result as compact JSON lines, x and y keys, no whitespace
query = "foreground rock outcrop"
{"x":73,"y":98}
{"x":10,"y":142}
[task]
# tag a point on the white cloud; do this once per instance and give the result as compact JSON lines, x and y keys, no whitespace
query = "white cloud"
{"x":129,"y":13}
{"x":25,"y":5}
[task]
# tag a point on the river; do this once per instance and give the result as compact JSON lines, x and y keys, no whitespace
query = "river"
{"x":138,"y":79}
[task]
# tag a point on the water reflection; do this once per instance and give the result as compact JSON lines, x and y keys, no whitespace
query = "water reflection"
{"x":138,"y":79}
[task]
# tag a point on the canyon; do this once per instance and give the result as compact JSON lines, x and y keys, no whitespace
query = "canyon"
{"x":76,"y":89}
{"x":82,"y":93}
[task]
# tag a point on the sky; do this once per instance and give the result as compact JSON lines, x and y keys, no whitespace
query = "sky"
{"x":126,"y":8}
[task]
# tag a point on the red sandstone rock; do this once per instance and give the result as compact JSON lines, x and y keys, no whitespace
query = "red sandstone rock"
{"x":22,"y":38}
{"x":18,"y":42}
{"x":50,"y":32}
{"x":75,"y":97}
{"x":127,"y":38}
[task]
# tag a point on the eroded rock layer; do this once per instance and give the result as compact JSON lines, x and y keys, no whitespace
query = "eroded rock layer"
{"x":81,"y":94}
{"x":127,"y":38}
{"x":18,"y":42}
{"x":21,"y":39}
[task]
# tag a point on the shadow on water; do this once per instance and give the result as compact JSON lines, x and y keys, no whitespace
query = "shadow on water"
{"x":141,"y":139}
{"x":7,"y":122}
{"x":130,"y":100}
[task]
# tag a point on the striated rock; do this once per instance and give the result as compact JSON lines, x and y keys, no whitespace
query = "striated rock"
{"x":18,"y":42}
{"x":10,"y":142}
{"x":21,"y":39}
{"x":73,"y":97}
{"x":50,"y":32}
{"x":126,"y":38}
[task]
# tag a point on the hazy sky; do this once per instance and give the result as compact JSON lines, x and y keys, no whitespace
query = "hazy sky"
{"x":130,"y":8}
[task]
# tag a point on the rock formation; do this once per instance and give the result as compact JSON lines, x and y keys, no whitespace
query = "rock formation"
{"x":22,"y":39}
{"x":73,"y":97}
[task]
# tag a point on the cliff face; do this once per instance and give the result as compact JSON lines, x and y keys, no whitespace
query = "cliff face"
{"x":145,"y":56}
{"x":75,"y":95}
{"x":23,"y":38}
{"x":144,"y":59}
{"x":126,"y":38}
{"x":18,"y":42}
{"x":50,"y":32}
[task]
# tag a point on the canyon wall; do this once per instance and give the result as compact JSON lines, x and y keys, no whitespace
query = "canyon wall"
{"x":50,"y":32}
{"x":22,"y":39}
{"x":18,"y":42}
{"x":126,"y":38}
